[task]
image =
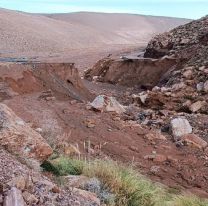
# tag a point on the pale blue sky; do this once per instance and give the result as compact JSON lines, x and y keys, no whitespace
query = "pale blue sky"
{"x":177,"y":8}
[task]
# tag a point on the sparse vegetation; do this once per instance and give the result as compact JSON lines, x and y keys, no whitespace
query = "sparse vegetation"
{"x":129,"y":187}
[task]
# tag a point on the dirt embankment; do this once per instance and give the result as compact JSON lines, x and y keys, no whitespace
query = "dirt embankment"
{"x":132,"y":72}
{"x":61,"y":78}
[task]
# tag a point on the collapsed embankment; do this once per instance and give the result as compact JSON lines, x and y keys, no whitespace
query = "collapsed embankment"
{"x":61,"y":78}
{"x":130,"y":72}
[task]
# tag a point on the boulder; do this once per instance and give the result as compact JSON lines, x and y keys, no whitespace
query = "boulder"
{"x":109,"y":104}
{"x":14,"y":198}
{"x":196,"y":106}
{"x":20,"y":139}
{"x":194,"y":140}
{"x":180,"y":126}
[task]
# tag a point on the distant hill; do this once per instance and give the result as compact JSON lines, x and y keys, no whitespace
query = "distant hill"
{"x":40,"y":33}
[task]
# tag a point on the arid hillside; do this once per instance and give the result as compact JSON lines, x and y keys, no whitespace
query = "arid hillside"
{"x":35,"y":34}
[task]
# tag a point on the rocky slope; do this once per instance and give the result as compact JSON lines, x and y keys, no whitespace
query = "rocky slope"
{"x":174,"y":99}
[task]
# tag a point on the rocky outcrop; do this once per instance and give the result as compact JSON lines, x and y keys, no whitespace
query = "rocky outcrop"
{"x":20,"y":139}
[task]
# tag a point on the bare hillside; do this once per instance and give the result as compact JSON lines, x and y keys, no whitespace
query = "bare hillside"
{"x":122,"y":28}
{"x":23,"y":33}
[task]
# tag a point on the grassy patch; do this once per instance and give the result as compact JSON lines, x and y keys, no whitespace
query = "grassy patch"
{"x":130,"y":188}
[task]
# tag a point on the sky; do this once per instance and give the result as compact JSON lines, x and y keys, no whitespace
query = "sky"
{"x":192,"y":9}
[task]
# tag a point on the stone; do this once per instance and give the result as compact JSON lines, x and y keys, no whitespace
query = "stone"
{"x":196,"y":106}
{"x":18,"y":182}
{"x":20,"y":139}
{"x":109,"y":104}
{"x":155,"y":136}
{"x":154,"y":169}
{"x":178,"y":86}
{"x":14,"y":198}
{"x":29,"y":198}
{"x":89,"y":196}
{"x":55,"y":189}
{"x":188,"y":74}
{"x":185,"y":41}
{"x":206,"y":86}
{"x":39,"y":130}
{"x":194,"y":140}
{"x":90,"y":123}
{"x":143,"y":98}
{"x":159,"y":158}
{"x":156,"y":89}
{"x":180,"y":126}
{"x":200,"y":86}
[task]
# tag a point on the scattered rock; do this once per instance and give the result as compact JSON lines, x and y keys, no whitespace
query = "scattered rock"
{"x":206,"y":86}
{"x":143,"y":98}
{"x":29,"y":198}
{"x":178,"y":86}
{"x":14,"y":198}
{"x":197,"y":106}
{"x":180,"y":127}
{"x":109,"y":104}
{"x":154,"y":170}
{"x":89,"y":196}
{"x":200,"y":86}
{"x":90,"y":123}
{"x":194,"y":140}
{"x":188,"y":74}
{"x":18,"y":182}
{"x":160,"y":158}
{"x":155,"y":136}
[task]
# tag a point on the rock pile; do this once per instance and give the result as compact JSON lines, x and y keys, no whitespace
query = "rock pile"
{"x":182,"y":90}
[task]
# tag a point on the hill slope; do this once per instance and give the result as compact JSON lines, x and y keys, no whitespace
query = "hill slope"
{"x":27,"y":33}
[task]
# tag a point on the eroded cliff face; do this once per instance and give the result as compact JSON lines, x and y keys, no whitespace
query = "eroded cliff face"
{"x":61,"y":78}
{"x":140,"y":72}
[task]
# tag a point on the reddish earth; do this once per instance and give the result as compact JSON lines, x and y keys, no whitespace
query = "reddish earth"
{"x":52,"y":98}
{"x":180,"y":168}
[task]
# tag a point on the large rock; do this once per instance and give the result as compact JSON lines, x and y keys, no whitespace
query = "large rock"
{"x":180,"y":126}
{"x":14,"y":198}
{"x":109,"y":104}
{"x":20,"y":139}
